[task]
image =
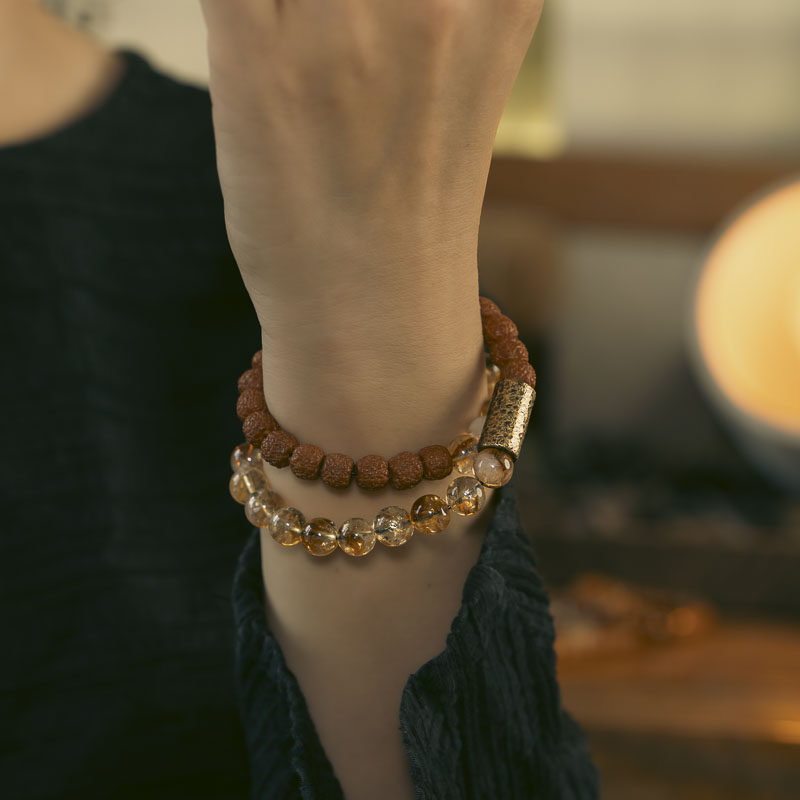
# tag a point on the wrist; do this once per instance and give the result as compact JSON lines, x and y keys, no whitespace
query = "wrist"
{"x":376,"y":371}
{"x":334,"y":264}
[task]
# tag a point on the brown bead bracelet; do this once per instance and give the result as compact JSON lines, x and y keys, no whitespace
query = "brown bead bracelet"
{"x":404,"y":470}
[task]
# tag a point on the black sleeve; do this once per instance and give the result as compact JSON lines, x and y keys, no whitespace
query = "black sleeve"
{"x":483,"y":719}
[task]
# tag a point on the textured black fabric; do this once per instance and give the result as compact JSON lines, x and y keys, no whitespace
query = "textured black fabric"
{"x":124,"y":326}
{"x":481,"y":720}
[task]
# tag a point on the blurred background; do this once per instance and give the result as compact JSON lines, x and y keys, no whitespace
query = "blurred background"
{"x":642,"y":227}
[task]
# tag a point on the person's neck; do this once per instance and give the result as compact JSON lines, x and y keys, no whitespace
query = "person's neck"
{"x":50,"y":74}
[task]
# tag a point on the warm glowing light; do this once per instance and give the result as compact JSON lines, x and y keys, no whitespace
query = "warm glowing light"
{"x":748,"y":310}
{"x":786,"y":730}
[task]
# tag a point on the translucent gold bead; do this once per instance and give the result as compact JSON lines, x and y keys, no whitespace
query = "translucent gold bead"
{"x":462,"y":450}
{"x":476,"y":426}
{"x":356,"y":537}
{"x":245,"y":483}
{"x":393,"y":526}
{"x":286,"y":526}
{"x":319,"y":536}
{"x":261,"y":506}
{"x":466,"y":496}
{"x":245,"y":456}
{"x":493,"y":467}
{"x":492,"y":376}
{"x":430,"y":514}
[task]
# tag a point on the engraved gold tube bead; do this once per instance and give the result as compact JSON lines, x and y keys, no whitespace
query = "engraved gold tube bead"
{"x":508,"y":416}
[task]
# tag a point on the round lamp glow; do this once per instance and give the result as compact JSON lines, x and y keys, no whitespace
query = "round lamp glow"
{"x":744,"y":331}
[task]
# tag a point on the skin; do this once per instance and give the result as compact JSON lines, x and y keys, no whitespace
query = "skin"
{"x":353,"y":142}
{"x":50,"y":74}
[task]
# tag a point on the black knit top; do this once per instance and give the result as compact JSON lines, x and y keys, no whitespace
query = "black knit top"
{"x":124,"y":325}
{"x":480,"y":720}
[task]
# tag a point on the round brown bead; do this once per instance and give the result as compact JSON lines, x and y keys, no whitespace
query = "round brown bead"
{"x":257,"y":425}
{"x":373,"y":472}
{"x":277,"y":448}
{"x":520,"y":370}
{"x":306,"y":461}
{"x":508,"y":350}
{"x":250,"y":400}
{"x":489,"y":308}
{"x":337,"y":470}
{"x":405,"y":470}
{"x":251,"y":379}
{"x":256,"y":360}
{"x":437,"y":462}
{"x":497,"y":328}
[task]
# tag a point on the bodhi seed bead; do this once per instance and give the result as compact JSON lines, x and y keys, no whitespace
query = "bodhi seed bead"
{"x":356,"y":537}
{"x":499,"y":327}
{"x":277,"y":448}
{"x":319,"y":536}
{"x":393,"y":526}
{"x":508,"y":350}
{"x":520,"y":370}
{"x":250,"y":400}
{"x":286,"y":526}
{"x":306,"y":460}
{"x":251,"y":379}
{"x":488,"y":307}
{"x":506,"y":360}
{"x":337,"y":470}
{"x":257,"y":425}
{"x":466,"y":496}
{"x":373,"y":472}
{"x":405,"y":470}
{"x":437,"y":462}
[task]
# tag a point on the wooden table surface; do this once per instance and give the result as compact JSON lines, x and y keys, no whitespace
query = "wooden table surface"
{"x":713,"y":717}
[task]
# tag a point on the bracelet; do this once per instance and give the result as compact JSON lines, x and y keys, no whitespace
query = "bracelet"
{"x":393,"y":526}
{"x":509,"y":359}
{"x":484,"y":455}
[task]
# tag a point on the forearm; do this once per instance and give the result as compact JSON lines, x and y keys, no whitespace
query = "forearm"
{"x":371,"y":344}
{"x":395,"y":365}
{"x":353,"y":630}
{"x":354,"y":142}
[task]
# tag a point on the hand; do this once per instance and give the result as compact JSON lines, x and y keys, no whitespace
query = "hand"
{"x":355,"y":136}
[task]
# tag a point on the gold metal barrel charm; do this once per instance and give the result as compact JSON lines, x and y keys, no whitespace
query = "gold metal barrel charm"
{"x":508,"y":416}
